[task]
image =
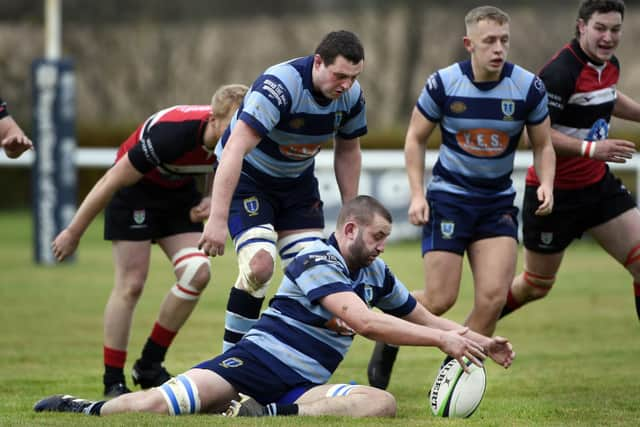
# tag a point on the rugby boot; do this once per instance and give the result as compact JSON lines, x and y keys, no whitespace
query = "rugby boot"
{"x":381,"y":365}
{"x":152,"y":376}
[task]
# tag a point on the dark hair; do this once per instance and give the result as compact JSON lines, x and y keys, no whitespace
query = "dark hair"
{"x":362,"y":209}
{"x":589,"y":7}
{"x":344,"y":43}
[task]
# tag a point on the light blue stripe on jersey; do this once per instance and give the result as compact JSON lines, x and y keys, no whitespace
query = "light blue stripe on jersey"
{"x":486,"y":167}
{"x":236,"y":323}
{"x":395,"y":299}
{"x":301,"y":363}
{"x":338,"y":342}
{"x":277,"y":168}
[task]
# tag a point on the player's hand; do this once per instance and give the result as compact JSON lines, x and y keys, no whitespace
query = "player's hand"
{"x":501,"y":351}
{"x":213,"y":237}
{"x":545,"y":197}
{"x":456,"y":345}
{"x":614,"y":150}
{"x":200,"y":212}
{"x":64,"y":244}
{"x":418,"y":211}
{"x":15,"y":145}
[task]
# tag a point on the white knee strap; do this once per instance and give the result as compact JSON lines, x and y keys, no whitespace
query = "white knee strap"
{"x":340,"y":390}
{"x":289,"y":246}
{"x":191,"y":259}
{"x":248,"y":244}
{"x":181,"y":395}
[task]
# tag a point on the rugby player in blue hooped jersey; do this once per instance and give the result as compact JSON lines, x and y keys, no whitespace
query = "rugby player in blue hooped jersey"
{"x":481,"y":106}
{"x":285,"y":361}
{"x":265,"y":189}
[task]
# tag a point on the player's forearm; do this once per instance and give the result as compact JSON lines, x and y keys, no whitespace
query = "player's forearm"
{"x":395,"y":331}
{"x":414,"y":164}
{"x":91,"y":206}
{"x":544,"y":161}
{"x":347,"y":170}
{"x":225,"y":183}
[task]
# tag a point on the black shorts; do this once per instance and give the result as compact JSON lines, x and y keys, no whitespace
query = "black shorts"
{"x":574,"y":212}
{"x":146,"y":211}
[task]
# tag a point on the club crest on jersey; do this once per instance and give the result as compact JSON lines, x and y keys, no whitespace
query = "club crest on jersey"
{"x":546,"y":237}
{"x":508,"y":108}
{"x":447,"y":228}
{"x":232,"y":362}
{"x":458,"y":107}
{"x":599,"y":131}
{"x":139,"y":215}
{"x":251,"y":205}
{"x":368,"y":294}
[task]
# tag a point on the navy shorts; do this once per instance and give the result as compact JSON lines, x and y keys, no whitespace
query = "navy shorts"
{"x":287,"y":204}
{"x":247,"y":367}
{"x":456,"y":221}
{"x":574,"y":212}
{"x":145,"y":211}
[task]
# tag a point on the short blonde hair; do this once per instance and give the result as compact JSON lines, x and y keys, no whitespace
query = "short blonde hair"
{"x":481,"y":13}
{"x":227,"y":99}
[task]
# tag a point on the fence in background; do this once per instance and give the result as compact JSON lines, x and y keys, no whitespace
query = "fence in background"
{"x":383,"y":176}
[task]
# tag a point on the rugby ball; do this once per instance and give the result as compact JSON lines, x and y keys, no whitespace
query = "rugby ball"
{"x":455,"y":393}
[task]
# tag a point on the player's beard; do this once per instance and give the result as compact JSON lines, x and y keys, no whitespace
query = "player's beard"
{"x":360,"y":255}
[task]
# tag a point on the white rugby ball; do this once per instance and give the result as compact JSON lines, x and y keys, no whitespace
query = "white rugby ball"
{"x":455,"y":393}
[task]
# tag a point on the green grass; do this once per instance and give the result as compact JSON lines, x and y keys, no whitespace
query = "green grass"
{"x":575,"y":365}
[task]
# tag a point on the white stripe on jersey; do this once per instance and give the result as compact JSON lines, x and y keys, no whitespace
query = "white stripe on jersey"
{"x":572,"y":132}
{"x":596,"y":97}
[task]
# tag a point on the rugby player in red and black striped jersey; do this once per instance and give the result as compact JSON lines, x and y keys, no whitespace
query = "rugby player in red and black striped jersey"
{"x":581,"y":81}
{"x":150,"y":196}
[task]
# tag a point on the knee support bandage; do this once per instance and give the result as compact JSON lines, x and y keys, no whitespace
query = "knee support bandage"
{"x":191,"y":259}
{"x":248,"y":244}
{"x":181,"y":395}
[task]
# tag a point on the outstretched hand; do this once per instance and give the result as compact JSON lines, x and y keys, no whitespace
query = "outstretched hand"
{"x":501,"y":351}
{"x":458,"y":346}
{"x":614,"y":150}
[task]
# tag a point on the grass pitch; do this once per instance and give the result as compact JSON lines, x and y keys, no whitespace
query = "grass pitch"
{"x":575,"y":365}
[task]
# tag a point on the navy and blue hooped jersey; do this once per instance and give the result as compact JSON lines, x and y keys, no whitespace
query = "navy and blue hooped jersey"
{"x":306,"y":337}
{"x":293,"y":121}
{"x":481,"y":123}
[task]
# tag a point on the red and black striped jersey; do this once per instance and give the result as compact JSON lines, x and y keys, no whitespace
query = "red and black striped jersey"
{"x":168,"y":148}
{"x":582,"y":95}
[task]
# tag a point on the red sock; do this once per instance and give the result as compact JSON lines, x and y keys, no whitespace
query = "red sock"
{"x":162,"y":336}
{"x":114,"y":358}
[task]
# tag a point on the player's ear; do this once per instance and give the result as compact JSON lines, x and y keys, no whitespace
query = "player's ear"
{"x":581,"y":26}
{"x":350,"y":229}
{"x":468,"y":44}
